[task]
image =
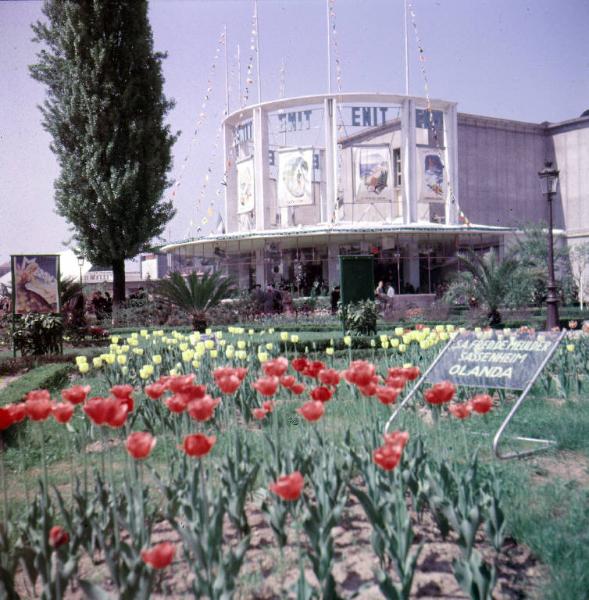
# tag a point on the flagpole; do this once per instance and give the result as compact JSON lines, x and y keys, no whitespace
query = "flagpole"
{"x":406,"y":49}
{"x":258,"y":51}
{"x":239,"y":76}
{"x":226,"y":74}
{"x":328,"y":48}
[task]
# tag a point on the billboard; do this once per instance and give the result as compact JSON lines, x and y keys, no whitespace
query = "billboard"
{"x":35,"y":283}
{"x":432,"y":178}
{"x":245,"y":186}
{"x":372,"y":174}
{"x":295,"y":177}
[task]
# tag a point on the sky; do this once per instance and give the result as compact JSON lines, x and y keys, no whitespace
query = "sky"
{"x":517,"y":59}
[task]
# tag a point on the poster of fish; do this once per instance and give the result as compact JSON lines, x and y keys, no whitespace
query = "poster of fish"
{"x":295,"y":177}
{"x":433,"y":175}
{"x":372,"y":174}
{"x":245,"y":186}
{"x":35,"y":283}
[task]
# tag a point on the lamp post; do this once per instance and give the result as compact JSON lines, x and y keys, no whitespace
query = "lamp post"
{"x":548,"y":184}
{"x":80,"y":264}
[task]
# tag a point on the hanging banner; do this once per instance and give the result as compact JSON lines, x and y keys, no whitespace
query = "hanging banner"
{"x":35,"y":283}
{"x":295,"y":177}
{"x":372,"y":174}
{"x":245,"y":186}
{"x":432,"y":174}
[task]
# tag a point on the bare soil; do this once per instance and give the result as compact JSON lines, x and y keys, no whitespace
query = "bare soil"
{"x":266,"y":575}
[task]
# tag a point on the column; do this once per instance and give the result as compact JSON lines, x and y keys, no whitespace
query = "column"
{"x":408,"y":159}
{"x":333,"y":273}
{"x":329,"y":121}
{"x":451,"y":163}
{"x":260,"y":167}
{"x":411,"y":265}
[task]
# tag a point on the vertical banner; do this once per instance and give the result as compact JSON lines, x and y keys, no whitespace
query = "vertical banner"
{"x":35,"y":283}
{"x":432,"y":179}
{"x":245,"y":186}
{"x":372,"y":174}
{"x":295,"y":177}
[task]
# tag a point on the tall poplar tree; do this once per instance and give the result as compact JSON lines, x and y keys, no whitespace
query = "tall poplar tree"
{"x":105,"y":111}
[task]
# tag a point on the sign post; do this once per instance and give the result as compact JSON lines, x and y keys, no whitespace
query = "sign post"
{"x":492,"y":359}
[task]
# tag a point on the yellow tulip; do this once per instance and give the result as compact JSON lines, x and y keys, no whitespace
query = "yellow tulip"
{"x":570,"y":347}
{"x":230,"y":352}
{"x":262,"y":357}
{"x":241,"y":344}
{"x":114,"y":339}
{"x":97,"y":362}
{"x":81,"y":360}
{"x":399,"y":331}
{"x":83,"y":367}
{"x":122,"y":359}
{"x":294,"y":339}
{"x":208,"y":331}
{"x":402,"y":347}
{"x":284,"y":336}
{"x":209,"y":344}
{"x":329,"y":351}
{"x":269,"y":346}
{"x":214,"y":353}
{"x":138,"y":351}
{"x":195,"y":364}
{"x":183,"y":346}
{"x":187,"y":355}
{"x":384,"y":343}
{"x":347,"y":340}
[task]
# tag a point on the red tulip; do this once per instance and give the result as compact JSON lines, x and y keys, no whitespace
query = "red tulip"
{"x":159,"y":556}
{"x":38,"y":406}
{"x":287,"y":381}
{"x":460,"y":411}
{"x":117,"y":415}
{"x":99,"y":409}
{"x":440,"y":393}
{"x":18,"y":412}
{"x":5,"y":418}
{"x":177,"y":383}
{"x":193,"y":392}
{"x":387,"y":395}
{"x":288,"y":487}
{"x":369,"y":389}
{"x":397,"y":438}
{"x":121,"y":391}
{"x":76,"y":394}
{"x":268,"y":405}
{"x":241,"y":372}
{"x":198,"y":444}
{"x":387,"y":457}
{"x":297,"y":388}
{"x":259,"y":413}
{"x":203,"y":409}
{"x":412,"y":373}
{"x":299,"y":364}
{"x":397,"y":381}
{"x":312,"y":411}
{"x":313,"y":369}
{"x":177,"y":403}
{"x":63,"y":412}
{"x":397,"y":372}
{"x":482,"y":403}
{"x":221,"y":372}
{"x":155,"y":390}
{"x":139,"y":444}
{"x":58,"y":536}
{"x":128,"y":402}
{"x":329,"y":377}
{"x":360,"y":372}
{"x":276,"y":367}
{"x":321,"y":393}
{"x":267,"y":386}
{"x":229,"y":384}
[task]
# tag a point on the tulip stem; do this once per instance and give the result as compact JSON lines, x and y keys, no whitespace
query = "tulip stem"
{"x":112,"y":487}
{"x":4,"y":485}
{"x":23,"y":463}
{"x":44,"y":461}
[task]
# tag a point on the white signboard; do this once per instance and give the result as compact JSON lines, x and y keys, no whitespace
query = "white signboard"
{"x":295,"y":177}
{"x":245,"y":186}
{"x":372,"y":174}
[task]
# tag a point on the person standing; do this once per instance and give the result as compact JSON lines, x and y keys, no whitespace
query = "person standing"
{"x":390,"y":290}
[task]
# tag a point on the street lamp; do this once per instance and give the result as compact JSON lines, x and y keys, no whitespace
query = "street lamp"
{"x":548,"y":185}
{"x":80,"y":264}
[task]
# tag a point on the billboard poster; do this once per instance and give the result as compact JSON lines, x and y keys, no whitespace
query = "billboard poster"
{"x":295,"y":177}
{"x":433,"y":175}
{"x":35,"y":283}
{"x":245,"y":186}
{"x":372,"y":174}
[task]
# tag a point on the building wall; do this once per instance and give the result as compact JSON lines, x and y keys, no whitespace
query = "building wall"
{"x":498,"y":163}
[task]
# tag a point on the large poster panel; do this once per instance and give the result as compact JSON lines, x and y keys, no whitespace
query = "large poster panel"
{"x":372,"y":174}
{"x":35,"y":283}
{"x":432,"y":178}
{"x":245,"y":186}
{"x":295,"y":177}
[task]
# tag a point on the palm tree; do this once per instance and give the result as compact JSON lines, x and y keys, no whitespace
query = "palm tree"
{"x":487,"y":279}
{"x":195,"y":294}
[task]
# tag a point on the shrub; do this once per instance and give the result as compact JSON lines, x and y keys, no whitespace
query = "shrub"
{"x":359,"y":317}
{"x":38,"y":334}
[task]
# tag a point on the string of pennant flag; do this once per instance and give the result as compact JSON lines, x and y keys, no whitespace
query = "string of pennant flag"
{"x":430,"y":113}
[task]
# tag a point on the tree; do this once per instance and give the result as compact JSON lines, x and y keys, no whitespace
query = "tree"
{"x":579,"y":255}
{"x":196,"y":295}
{"x":105,"y":110}
{"x":531,"y":252}
{"x":487,"y":279}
